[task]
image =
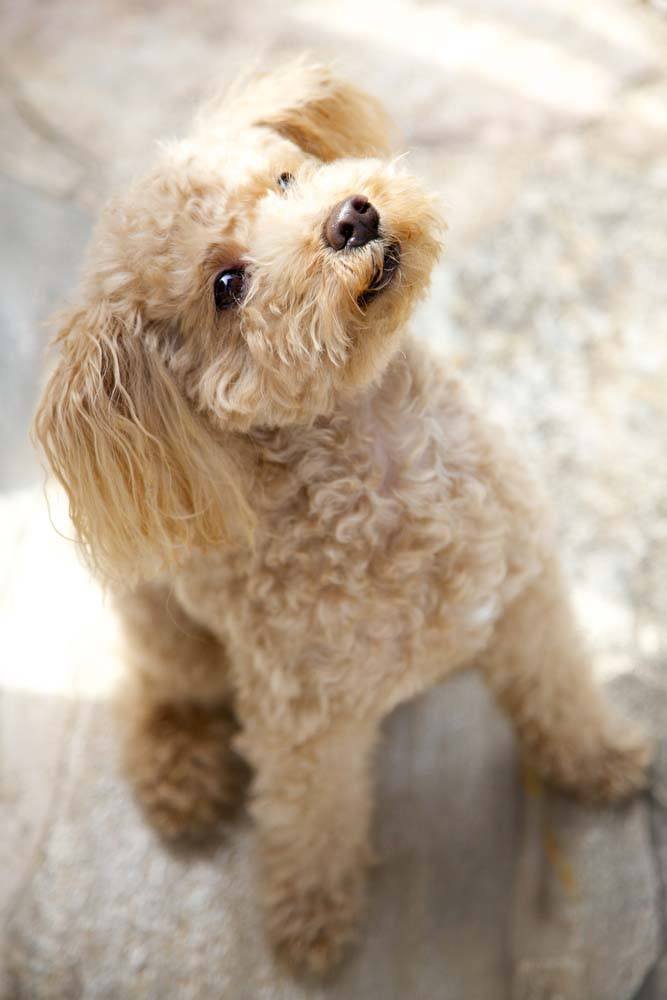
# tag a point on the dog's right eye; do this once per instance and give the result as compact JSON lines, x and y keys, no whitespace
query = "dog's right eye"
{"x":228,"y":288}
{"x":285,"y":180}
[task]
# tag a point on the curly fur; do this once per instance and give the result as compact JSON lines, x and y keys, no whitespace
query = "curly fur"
{"x":303,"y":518}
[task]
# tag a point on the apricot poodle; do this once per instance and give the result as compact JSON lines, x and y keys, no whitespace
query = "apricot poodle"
{"x":303,"y":518}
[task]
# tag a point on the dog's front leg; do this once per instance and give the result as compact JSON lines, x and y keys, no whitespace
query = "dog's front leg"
{"x":178,"y":717}
{"x":538,"y":667}
{"x":312,"y":805}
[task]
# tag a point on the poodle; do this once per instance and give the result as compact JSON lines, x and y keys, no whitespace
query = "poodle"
{"x":303,"y":519}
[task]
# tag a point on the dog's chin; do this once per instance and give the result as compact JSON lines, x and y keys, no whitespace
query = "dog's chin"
{"x":383,"y":276}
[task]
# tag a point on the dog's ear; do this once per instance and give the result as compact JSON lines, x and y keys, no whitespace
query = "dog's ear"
{"x":314,"y":108}
{"x":146,"y":479}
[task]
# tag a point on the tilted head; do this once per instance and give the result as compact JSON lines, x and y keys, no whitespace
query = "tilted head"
{"x":259,"y":274}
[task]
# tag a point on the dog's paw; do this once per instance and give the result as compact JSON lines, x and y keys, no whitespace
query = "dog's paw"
{"x":184,"y":772}
{"x":310,"y":931}
{"x":615,"y":769}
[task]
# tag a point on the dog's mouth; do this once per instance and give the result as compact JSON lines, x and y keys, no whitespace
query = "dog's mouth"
{"x":383,"y":276}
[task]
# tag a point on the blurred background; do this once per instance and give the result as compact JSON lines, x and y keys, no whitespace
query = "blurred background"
{"x":544,"y":125}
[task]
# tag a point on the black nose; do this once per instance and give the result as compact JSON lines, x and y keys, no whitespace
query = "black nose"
{"x":352,"y":223}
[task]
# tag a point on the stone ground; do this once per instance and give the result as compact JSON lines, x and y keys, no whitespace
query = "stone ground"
{"x":544,"y":124}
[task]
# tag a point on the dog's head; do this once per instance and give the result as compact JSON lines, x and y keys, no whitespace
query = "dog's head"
{"x":259,"y":274}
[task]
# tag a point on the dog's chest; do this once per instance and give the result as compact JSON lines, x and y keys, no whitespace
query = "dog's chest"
{"x":345,"y":506}
{"x":375,"y":531}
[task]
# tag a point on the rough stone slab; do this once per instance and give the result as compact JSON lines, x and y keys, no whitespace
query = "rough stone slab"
{"x":587,"y":919}
{"x":591,"y":882}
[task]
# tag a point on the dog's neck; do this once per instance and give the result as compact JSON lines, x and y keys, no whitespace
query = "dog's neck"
{"x":362,"y":440}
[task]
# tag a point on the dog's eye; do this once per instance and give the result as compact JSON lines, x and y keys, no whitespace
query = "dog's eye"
{"x":228,"y":288}
{"x":284,"y":181}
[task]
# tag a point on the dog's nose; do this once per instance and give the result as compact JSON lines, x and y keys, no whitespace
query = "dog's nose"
{"x":352,"y":223}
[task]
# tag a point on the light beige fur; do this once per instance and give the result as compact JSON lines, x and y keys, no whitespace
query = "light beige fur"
{"x":303,"y":518}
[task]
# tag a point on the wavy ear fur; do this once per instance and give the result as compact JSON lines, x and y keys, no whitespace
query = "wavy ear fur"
{"x":146,"y":478}
{"x":307,"y":103}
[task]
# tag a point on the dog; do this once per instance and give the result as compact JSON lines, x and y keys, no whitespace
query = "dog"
{"x":304,"y":520}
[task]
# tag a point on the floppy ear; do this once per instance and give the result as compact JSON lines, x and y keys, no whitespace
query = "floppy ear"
{"x":320,"y":112}
{"x":146,"y":479}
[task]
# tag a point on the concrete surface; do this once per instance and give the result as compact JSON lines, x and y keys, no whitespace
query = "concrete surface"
{"x":544,"y":124}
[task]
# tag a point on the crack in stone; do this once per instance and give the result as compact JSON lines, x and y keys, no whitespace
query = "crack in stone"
{"x":646,"y":990}
{"x":654,"y":805}
{"x":40,"y":125}
{"x":50,"y":814}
